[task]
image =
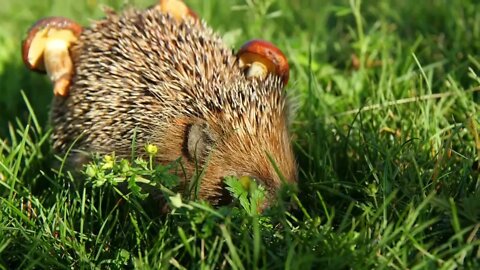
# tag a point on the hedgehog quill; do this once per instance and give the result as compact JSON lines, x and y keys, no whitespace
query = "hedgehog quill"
{"x":164,"y":77}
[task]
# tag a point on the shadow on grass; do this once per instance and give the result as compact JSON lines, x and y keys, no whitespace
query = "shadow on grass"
{"x":14,"y":79}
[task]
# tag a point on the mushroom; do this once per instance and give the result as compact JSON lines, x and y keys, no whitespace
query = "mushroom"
{"x":259,"y":58}
{"x":46,"y":49}
{"x":177,"y":9}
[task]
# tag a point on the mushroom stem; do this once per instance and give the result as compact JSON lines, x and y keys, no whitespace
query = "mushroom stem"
{"x":257,"y":70}
{"x":59,"y":66}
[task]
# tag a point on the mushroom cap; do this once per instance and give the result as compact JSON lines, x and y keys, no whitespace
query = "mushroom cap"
{"x":268,"y":54}
{"x":44,"y":29}
{"x":176,"y":8}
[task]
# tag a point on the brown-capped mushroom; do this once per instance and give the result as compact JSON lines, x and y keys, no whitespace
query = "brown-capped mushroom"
{"x":176,"y":8}
{"x":46,"y":49}
{"x":259,"y":58}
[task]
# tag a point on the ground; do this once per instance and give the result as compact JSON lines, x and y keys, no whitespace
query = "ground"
{"x":386,"y":133}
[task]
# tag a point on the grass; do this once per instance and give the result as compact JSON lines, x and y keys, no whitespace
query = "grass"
{"x":386,"y":136}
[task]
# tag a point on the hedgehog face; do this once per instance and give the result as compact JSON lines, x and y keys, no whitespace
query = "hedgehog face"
{"x":251,"y":155}
{"x":245,"y":133}
{"x":248,"y":136}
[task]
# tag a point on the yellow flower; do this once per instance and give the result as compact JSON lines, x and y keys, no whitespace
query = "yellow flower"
{"x":151,"y":149}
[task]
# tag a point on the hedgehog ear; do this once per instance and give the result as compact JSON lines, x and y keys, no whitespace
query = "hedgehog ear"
{"x":199,"y":141}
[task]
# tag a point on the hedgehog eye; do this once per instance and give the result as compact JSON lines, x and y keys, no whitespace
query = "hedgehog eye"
{"x":199,"y":141}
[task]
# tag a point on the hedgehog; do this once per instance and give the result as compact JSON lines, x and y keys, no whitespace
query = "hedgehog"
{"x":161,"y":76}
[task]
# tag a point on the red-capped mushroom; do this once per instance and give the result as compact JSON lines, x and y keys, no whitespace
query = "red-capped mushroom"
{"x":259,"y":58}
{"x":177,"y":9}
{"x":46,"y":49}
